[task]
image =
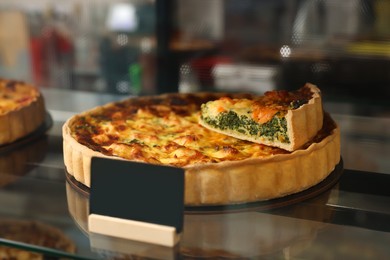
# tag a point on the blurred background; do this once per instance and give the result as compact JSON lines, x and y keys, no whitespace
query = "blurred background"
{"x":143,"y":47}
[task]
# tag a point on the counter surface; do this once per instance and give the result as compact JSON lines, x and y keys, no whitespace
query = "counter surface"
{"x":350,"y":220}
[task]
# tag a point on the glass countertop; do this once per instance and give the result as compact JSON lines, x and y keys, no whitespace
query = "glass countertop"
{"x":349,"y":220}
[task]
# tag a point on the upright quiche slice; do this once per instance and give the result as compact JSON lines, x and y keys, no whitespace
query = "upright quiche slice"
{"x":281,"y":119}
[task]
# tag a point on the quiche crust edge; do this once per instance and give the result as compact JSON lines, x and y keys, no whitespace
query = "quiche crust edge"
{"x":259,"y":179}
{"x":19,"y":123}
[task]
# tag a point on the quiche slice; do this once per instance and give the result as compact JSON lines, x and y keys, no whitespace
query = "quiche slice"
{"x":279,"y":118}
{"x":22,"y":110}
{"x":219,"y":169}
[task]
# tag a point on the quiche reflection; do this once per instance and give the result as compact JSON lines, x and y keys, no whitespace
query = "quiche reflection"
{"x":17,"y":162}
{"x":279,"y":233}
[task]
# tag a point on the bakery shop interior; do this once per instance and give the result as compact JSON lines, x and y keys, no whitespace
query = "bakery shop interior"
{"x":187,"y":129}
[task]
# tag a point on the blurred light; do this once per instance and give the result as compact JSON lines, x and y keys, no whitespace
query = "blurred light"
{"x":122,"y":17}
{"x":320,"y":68}
{"x":285,"y":51}
{"x":185,"y":69}
{"x":122,"y":39}
{"x":146,"y":45}
{"x":123,"y":87}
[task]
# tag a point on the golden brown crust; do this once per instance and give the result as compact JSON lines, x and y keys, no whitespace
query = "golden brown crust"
{"x":262,"y":179}
{"x":22,"y":121}
{"x":230,"y":182}
{"x":304,"y":123}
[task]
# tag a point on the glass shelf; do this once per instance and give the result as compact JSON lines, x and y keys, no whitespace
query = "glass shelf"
{"x":350,"y":220}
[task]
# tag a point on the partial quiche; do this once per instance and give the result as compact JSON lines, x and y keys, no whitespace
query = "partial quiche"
{"x":22,"y":110}
{"x":281,"y":119}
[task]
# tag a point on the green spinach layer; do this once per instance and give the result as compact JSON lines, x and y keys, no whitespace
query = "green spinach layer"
{"x":275,"y":129}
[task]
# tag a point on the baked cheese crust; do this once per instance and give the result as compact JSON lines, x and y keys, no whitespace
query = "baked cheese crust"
{"x":22,"y":110}
{"x":279,"y":118}
{"x":220,"y":169}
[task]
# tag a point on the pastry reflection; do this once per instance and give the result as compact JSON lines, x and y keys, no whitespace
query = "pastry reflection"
{"x":118,"y":248}
{"x":32,"y":232}
{"x":19,"y":160}
{"x":237,"y":235}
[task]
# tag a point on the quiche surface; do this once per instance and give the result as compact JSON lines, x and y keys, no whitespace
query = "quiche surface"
{"x":22,"y":110}
{"x":279,"y":118}
{"x":219,"y":169}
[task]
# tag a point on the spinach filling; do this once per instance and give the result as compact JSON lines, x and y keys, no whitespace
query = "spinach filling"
{"x":275,"y":129}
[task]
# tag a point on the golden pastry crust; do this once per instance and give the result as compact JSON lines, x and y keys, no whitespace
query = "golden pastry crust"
{"x":304,"y":122}
{"x":233,"y":181}
{"x":22,"y":119}
{"x":263,"y":178}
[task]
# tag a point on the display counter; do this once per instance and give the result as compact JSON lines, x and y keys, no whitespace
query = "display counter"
{"x":41,"y":211}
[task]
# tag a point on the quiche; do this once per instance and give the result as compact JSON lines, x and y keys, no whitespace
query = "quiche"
{"x":279,"y":118}
{"x":22,"y":110}
{"x":219,"y":169}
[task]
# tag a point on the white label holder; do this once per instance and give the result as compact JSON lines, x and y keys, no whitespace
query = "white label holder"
{"x":136,"y":201}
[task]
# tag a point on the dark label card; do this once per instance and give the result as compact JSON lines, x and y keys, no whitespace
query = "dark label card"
{"x":137,"y":191}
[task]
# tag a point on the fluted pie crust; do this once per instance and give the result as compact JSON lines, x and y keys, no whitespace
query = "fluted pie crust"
{"x":23,"y":119}
{"x":262,"y":179}
{"x":233,"y":181}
